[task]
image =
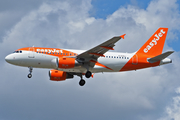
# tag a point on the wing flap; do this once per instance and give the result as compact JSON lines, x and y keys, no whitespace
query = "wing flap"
{"x":99,"y":50}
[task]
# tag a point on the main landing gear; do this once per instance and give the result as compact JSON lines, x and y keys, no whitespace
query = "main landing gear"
{"x":88,"y":74}
{"x":82,"y":81}
{"x":30,"y":71}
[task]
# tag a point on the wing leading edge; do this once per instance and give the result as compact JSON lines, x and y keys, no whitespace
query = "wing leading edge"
{"x":98,"y":51}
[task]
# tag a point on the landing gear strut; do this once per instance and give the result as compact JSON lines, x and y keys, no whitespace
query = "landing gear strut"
{"x":30,"y":71}
{"x":82,"y":81}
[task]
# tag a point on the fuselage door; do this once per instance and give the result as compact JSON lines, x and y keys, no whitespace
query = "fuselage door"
{"x":135,"y":59}
{"x":31,"y":52}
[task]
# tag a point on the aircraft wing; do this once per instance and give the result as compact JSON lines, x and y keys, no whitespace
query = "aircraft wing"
{"x":98,"y":51}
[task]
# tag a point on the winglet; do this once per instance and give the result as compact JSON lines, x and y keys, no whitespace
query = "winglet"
{"x":122,"y":36}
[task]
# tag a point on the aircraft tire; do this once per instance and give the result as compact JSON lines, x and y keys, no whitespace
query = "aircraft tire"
{"x":88,"y":74}
{"x":29,"y":75}
{"x":82,"y":82}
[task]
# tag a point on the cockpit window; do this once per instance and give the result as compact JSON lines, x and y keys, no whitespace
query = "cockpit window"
{"x":17,"y":52}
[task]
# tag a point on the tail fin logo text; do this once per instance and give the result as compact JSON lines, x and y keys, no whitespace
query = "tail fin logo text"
{"x":154,"y":41}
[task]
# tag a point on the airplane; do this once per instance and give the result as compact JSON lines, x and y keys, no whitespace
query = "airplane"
{"x":66,"y":63}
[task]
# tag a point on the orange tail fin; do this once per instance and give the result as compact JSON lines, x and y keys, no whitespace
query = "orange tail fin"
{"x":154,"y":46}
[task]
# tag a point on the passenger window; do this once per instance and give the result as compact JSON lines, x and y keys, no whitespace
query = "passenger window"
{"x":127,"y":57}
{"x":114,"y":56}
{"x":124,"y":57}
{"x":20,"y":51}
{"x":117,"y":57}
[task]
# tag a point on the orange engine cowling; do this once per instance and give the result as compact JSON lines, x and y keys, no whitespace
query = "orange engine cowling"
{"x":64,"y":62}
{"x":56,"y":75}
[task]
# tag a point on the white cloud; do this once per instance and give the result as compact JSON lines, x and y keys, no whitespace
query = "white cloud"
{"x":67,"y":24}
{"x":173,"y":110}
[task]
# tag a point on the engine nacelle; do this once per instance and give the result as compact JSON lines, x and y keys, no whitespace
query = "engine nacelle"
{"x":64,"y":62}
{"x":56,"y":75}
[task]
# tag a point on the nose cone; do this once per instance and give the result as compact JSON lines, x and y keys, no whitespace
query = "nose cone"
{"x":9,"y":58}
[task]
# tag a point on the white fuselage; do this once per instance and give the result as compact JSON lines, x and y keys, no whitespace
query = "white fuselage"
{"x":113,"y":60}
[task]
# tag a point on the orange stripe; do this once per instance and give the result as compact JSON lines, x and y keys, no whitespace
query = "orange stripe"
{"x":99,"y":64}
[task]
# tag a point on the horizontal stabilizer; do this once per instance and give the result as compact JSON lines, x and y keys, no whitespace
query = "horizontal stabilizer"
{"x":160,"y":57}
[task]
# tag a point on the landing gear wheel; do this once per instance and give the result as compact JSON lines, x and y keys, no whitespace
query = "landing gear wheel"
{"x":30,"y":71}
{"x":29,"y":75}
{"x":82,"y":82}
{"x":88,"y":74}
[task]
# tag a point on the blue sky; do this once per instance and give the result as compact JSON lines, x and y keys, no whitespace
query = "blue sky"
{"x":102,"y":8}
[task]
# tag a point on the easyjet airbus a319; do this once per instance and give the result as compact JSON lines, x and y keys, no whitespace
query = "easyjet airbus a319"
{"x":66,"y":63}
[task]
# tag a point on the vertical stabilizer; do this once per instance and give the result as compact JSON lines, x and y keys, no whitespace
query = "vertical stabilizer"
{"x":154,"y":46}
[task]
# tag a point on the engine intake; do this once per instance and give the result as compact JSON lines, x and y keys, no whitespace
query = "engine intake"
{"x":56,"y":75}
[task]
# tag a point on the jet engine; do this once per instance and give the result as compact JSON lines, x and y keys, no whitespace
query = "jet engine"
{"x":56,"y":75}
{"x":65,"y":63}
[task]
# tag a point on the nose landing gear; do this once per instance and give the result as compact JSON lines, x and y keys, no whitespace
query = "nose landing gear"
{"x":30,"y":71}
